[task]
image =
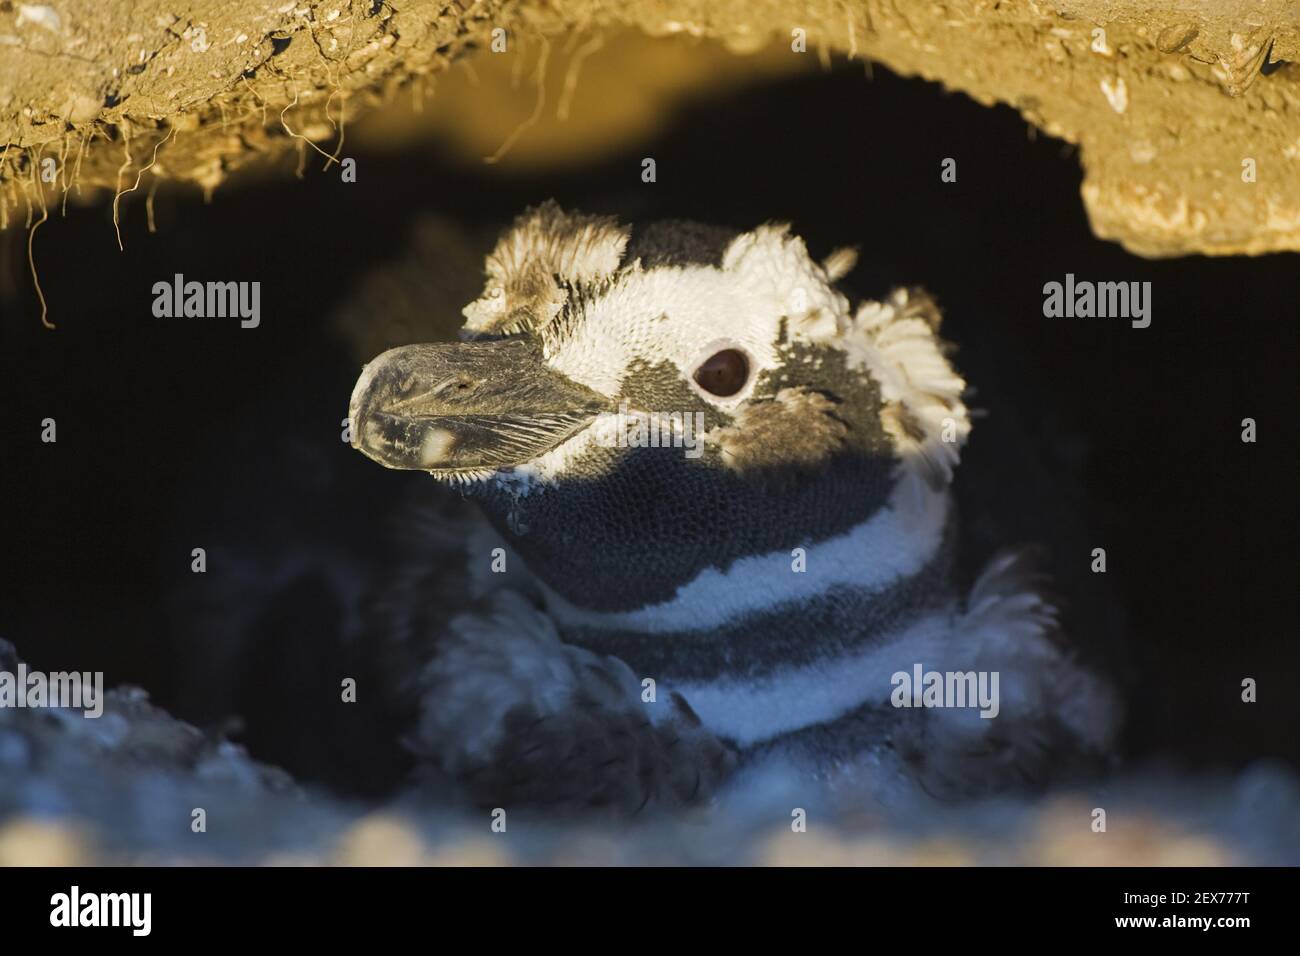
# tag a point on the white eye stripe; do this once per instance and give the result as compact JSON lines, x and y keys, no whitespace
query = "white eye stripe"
{"x":683,"y":315}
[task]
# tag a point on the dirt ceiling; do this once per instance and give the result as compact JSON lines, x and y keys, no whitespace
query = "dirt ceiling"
{"x":1186,"y":112}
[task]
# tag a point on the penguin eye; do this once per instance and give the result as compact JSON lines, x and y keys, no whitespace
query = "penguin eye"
{"x":723,"y":373}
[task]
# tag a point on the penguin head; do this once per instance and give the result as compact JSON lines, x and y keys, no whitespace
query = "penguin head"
{"x":635,"y":408}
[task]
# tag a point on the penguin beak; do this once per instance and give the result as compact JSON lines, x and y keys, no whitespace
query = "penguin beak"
{"x":465,"y":406}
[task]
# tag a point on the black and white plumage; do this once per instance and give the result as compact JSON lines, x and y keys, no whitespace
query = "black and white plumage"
{"x":632,"y":563}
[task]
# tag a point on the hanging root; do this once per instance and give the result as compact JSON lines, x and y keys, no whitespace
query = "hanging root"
{"x":304,"y":139}
{"x":519,"y":130}
{"x":126,"y":164}
{"x":4,"y":193}
{"x":136,"y":185}
{"x":341,"y":125}
{"x":76,"y":172}
{"x":31,"y":235}
{"x":574,"y":71}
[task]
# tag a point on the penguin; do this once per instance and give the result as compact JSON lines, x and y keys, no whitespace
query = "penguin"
{"x":718,"y":533}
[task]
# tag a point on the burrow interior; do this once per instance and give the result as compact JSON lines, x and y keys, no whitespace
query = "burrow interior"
{"x":176,"y":433}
